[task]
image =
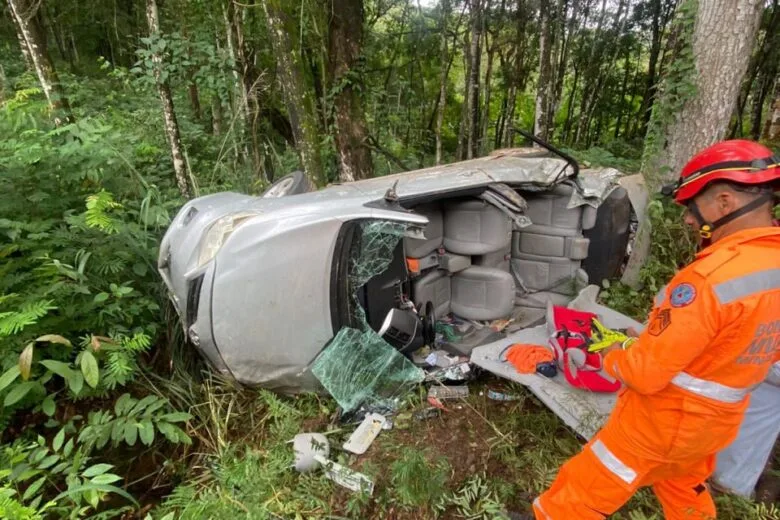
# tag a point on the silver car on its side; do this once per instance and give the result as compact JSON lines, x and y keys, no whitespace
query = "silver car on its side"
{"x":260,"y":283}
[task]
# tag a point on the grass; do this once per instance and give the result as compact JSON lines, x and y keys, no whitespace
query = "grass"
{"x":473,"y":462}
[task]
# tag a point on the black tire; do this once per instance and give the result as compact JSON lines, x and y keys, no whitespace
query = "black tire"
{"x":608,"y":238}
{"x":292,"y":184}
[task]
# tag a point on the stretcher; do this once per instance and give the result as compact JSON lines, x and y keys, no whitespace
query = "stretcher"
{"x":581,"y":410}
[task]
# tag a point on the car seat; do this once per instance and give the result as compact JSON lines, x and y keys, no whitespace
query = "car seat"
{"x":476,"y":228}
{"x":547,"y":255}
{"x":429,"y":284}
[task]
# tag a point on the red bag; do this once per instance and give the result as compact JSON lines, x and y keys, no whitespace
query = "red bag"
{"x":570,"y":331}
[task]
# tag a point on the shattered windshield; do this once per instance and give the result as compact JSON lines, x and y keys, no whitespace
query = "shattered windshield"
{"x":358,"y":367}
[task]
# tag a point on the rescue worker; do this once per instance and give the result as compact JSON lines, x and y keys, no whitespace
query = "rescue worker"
{"x":711,"y":337}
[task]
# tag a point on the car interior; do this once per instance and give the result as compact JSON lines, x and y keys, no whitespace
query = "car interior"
{"x":480,"y":272}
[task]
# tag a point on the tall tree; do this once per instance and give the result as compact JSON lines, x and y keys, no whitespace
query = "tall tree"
{"x":445,"y":69}
{"x":166,"y":99}
{"x":708,"y":88}
{"x":544,"y":85}
{"x":246,"y":105}
{"x":474,"y":87}
{"x":32,"y":39}
{"x":661,"y":11}
{"x":721,"y":59}
{"x":469,"y":129}
{"x":760,"y":73}
{"x":772,"y":126}
{"x":298,"y":96}
{"x":344,"y":45}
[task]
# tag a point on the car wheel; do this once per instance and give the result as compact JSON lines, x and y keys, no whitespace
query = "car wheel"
{"x":608,"y":238}
{"x":292,"y":184}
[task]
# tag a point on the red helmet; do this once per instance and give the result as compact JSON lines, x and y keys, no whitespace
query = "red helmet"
{"x":738,"y":160}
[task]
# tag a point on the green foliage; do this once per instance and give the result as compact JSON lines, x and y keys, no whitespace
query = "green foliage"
{"x":417,"y":480}
{"x":134,"y":419}
{"x":475,"y":500}
{"x":36,"y":474}
{"x":257,"y":481}
{"x":677,"y":86}
{"x":12,"y":509}
{"x":604,"y":158}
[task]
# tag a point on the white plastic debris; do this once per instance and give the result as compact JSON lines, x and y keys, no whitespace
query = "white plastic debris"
{"x":346,"y":477}
{"x":307,"y":446}
{"x":365,"y":434}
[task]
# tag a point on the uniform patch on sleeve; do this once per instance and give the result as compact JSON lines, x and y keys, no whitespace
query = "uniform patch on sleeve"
{"x":682,"y":295}
{"x":660,"y":323}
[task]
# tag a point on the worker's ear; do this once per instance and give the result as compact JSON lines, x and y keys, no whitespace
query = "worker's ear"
{"x":725,"y":201}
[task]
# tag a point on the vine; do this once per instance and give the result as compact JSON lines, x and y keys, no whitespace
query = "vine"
{"x":674,"y":90}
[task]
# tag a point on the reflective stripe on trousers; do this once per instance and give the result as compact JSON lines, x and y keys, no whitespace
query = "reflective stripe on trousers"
{"x":612,"y":463}
{"x":710,"y":389}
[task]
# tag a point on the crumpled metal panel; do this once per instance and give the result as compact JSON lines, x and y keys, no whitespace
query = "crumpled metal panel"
{"x":596,"y":186}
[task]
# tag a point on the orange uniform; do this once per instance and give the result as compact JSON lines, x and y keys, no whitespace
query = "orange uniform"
{"x":711,"y":338}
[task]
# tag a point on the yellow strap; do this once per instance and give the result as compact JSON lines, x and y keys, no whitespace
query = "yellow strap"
{"x":603,"y":337}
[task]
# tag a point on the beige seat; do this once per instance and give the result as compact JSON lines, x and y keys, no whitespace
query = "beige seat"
{"x":547,"y":255}
{"x":476,"y":228}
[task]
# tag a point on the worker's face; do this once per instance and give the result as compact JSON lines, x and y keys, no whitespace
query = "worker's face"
{"x":713,"y":203}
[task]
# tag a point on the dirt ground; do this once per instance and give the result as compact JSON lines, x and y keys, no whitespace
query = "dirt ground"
{"x":479,"y":435}
{"x":472,"y":435}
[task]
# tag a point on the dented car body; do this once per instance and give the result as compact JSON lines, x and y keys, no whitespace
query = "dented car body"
{"x":263,"y":284}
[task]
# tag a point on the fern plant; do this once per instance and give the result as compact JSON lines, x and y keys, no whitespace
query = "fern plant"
{"x":417,"y":481}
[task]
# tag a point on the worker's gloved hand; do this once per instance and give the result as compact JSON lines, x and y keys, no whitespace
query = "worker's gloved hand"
{"x":615,"y":346}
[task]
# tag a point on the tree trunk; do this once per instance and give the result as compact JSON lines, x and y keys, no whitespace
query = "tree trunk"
{"x":246,"y":77}
{"x":298,"y":97}
{"x":344,"y":43}
{"x":169,"y":114}
{"x":474,"y":68}
{"x":623,"y":88}
{"x":216,"y":115}
{"x":589,"y":74}
{"x":721,"y":59}
{"x":655,"y":52}
{"x":567,"y":34}
{"x":543,"y":94}
{"x":486,"y":110}
{"x":567,"y":127}
{"x":445,"y":60}
{"x":765,"y":83}
{"x":762,"y":61}
{"x":3,"y":81}
{"x":772,"y":127}
{"x":464,"y":112}
{"x":33,"y":41}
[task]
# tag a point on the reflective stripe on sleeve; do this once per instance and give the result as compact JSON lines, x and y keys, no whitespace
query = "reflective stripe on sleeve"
{"x":747,"y":285}
{"x":612,"y":463}
{"x":661,"y":296}
{"x":709,"y":389}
